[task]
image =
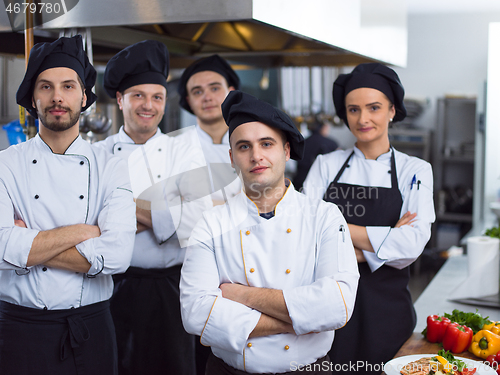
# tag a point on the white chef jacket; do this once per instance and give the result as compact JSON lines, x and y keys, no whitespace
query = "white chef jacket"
{"x":396,"y":247}
{"x":47,"y":191}
{"x":224,"y":180}
{"x":304,"y":250}
{"x":159,"y":172}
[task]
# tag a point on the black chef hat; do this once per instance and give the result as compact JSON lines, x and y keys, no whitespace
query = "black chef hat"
{"x":62,"y":53}
{"x":371,"y":75}
{"x":239,"y":108}
{"x":213,"y":63}
{"x":146,"y":62}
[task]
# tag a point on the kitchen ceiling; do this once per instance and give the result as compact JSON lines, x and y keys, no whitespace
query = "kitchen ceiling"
{"x":248,"y":32}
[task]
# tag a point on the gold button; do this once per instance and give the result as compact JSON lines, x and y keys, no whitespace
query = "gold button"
{"x":287,"y":347}
{"x":247,"y":232}
{"x":252,"y":270}
{"x":288,"y":230}
{"x":288,"y":271}
{"x":249,"y":344}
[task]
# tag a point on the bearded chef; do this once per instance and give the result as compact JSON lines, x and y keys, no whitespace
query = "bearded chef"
{"x":271,"y":274}
{"x":167,"y":177}
{"x":67,"y":223}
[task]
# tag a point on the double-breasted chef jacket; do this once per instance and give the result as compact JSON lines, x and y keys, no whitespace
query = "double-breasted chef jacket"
{"x":172,"y":175}
{"x":224,"y":181}
{"x":46,"y":190}
{"x":305,"y":250}
{"x":395,"y":247}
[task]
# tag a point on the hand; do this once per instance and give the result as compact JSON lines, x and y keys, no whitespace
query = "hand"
{"x":360,"y":257}
{"x":20,"y":224}
{"x":406,"y":219}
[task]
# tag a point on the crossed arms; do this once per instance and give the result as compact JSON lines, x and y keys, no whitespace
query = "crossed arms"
{"x":270,"y":302}
{"x":56,"y":247}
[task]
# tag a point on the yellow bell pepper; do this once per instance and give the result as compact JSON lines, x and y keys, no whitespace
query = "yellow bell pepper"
{"x":485,"y":343}
{"x":493,"y":327}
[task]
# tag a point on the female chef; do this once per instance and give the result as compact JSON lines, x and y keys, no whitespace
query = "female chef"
{"x":386,"y":198}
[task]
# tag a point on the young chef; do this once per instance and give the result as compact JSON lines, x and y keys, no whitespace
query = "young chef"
{"x":145,"y":303}
{"x":266,"y":280}
{"x":202,"y":88}
{"x":67,"y":222}
{"x":386,"y":198}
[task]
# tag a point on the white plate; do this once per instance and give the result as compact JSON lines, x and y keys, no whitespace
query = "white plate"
{"x":394,"y":366}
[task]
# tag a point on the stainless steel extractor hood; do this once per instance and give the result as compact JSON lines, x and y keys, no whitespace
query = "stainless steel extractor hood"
{"x":261,"y":33}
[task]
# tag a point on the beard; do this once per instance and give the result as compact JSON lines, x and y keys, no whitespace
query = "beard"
{"x":57,"y":124}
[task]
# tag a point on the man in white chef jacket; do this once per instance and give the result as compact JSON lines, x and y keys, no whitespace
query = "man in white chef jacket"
{"x":271,"y":274}
{"x":202,"y":88}
{"x":167,"y":177}
{"x":67,"y":223}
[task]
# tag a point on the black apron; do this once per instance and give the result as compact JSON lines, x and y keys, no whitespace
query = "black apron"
{"x":383,"y":317}
{"x":146,"y":311}
{"x":77,"y":341}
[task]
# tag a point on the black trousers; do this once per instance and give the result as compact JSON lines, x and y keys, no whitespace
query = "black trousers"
{"x":147,"y":315}
{"x":216,"y":366}
{"x":46,"y":342}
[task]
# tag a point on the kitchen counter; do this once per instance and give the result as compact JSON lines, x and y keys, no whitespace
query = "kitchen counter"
{"x":434,"y":299}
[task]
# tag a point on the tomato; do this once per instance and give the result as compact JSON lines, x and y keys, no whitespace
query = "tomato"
{"x":498,"y":357}
{"x":492,"y":360}
{"x":467,"y":371}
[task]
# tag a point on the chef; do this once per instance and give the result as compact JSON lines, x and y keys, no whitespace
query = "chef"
{"x":271,"y":274}
{"x":386,"y":198}
{"x":167,"y":182}
{"x":203,"y":87}
{"x":67,"y":223}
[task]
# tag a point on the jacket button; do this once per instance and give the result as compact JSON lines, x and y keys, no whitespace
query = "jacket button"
{"x":159,"y":150}
{"x":249,"y":344}
{"x":119,"y":148}
{"x":36,"y":196}
{"x":288,"y":271}
{"x":82,"y":162}
{"x":81,"y":197}
{"x":159,"y":176}
{"x":45,"y":308}
{"x":288,"y":230}
{"x":252,"y":270}
{"x":44,"y":269}
{"x":247,"y":232}
{"x":287,"y":347}
{"x":34,"y":161}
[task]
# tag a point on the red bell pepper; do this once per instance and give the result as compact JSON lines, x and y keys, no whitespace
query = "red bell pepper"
{"x":436,"y":327}
{"x":457,"y":338}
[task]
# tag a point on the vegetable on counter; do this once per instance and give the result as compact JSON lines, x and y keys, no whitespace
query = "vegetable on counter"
{"x":474,"y":321}
{"x":436,"y":327}
{"x":493,"y":232}
{"x":451,"y":365}
{"x":493,"y":327}
{"x":484,"y":344}
{"x":457,"y":338}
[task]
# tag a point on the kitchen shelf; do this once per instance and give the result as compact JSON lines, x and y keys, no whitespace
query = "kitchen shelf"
{"x":414,"y":142}
{"x":453,"y":167}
